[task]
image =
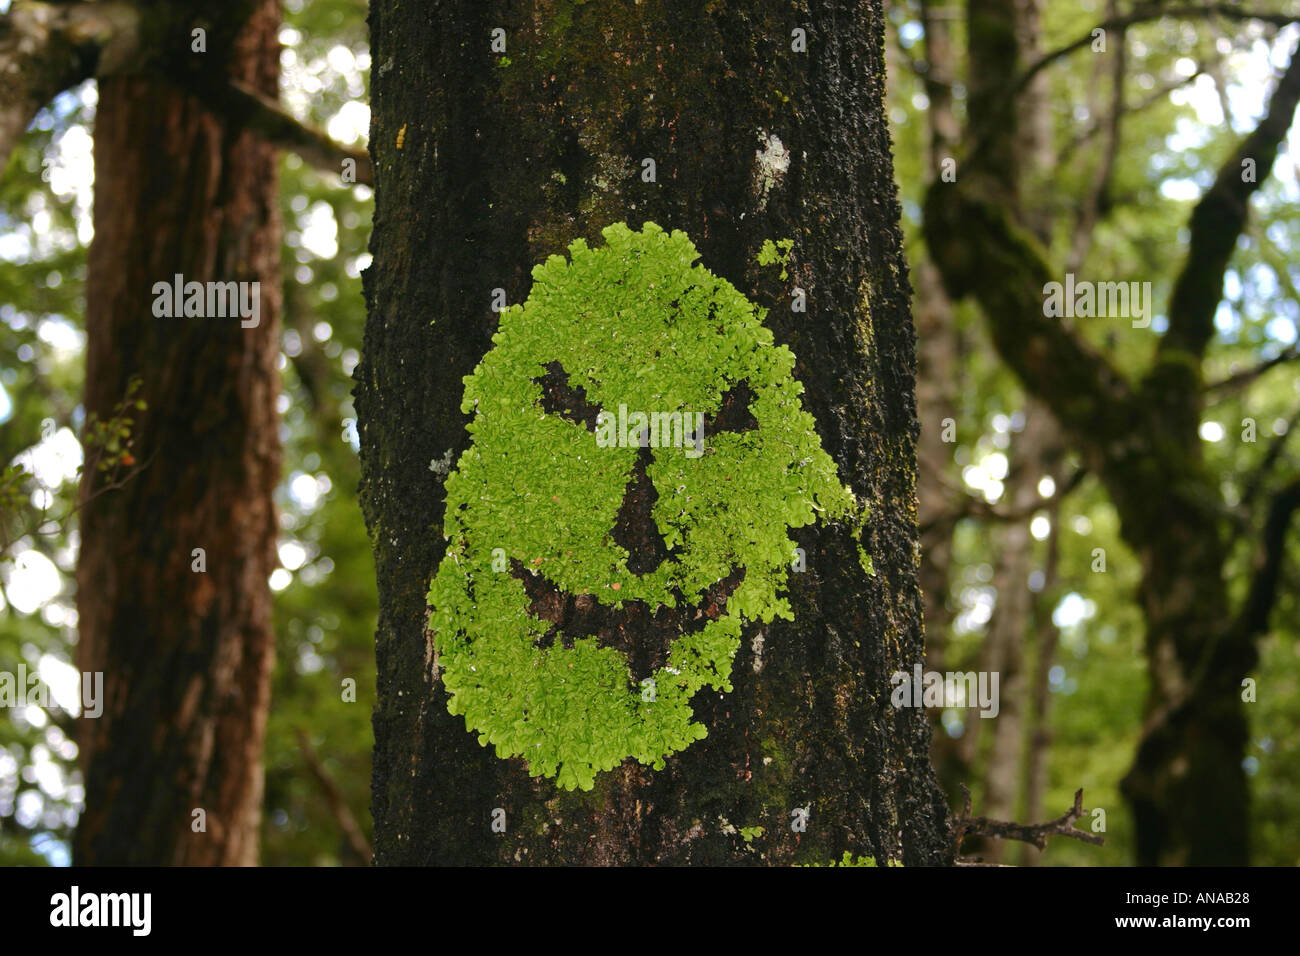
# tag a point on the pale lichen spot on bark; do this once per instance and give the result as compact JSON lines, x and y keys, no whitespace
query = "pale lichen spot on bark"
{"x":771,"y":163}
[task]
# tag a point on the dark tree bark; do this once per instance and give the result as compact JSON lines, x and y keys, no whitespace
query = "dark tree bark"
{"x":186,"y":654}
{"x":485,"y":167}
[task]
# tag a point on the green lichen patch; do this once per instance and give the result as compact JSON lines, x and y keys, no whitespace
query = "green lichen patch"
{"x":775,"y":253}
{"x":540,"y":605}
{"x":850,"y":860}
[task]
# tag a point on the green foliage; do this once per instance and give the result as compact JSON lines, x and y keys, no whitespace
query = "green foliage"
{"x":325,"y":607}
{"x":13,"y":497}
{"x":109,"y":441}
{"x":632,"y":323}
{"x":1170,"y":147}
{"x":43,"y":220}
{"x":325,"y":615}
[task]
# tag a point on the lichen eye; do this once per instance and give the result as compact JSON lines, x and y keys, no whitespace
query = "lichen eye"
{"x":559,"y":397}
{"x":734,"y":413}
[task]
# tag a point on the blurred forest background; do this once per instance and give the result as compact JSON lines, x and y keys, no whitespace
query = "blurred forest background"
{"x":1012,"y":522}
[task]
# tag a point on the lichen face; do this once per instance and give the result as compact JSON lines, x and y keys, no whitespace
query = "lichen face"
{"x":600,"y":566}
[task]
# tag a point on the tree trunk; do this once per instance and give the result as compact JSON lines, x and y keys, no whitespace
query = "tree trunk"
{"x":937,"y":371}
{"x":1046,"y":638}
{"x":1030,"y":451}
{"x":1032,"y":455}
{"x":186,"y":652}
{"x":939,"y":353}
{"x":1187,"y":787}
{"x":486,"y":163}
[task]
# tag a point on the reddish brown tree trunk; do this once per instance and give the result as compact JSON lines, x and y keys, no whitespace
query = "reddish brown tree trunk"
{"x":186,"y":654}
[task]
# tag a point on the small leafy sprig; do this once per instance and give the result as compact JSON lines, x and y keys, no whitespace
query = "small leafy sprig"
{"x":108,"y":442}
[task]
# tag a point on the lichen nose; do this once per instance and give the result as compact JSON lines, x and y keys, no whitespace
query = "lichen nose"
{"x":635,"y":529}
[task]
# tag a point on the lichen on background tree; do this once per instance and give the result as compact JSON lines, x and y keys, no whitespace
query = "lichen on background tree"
{"x":534,"y":501}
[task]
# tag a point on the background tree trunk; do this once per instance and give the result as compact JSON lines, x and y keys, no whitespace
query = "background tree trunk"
{"x":485,"y":164}
{"x":1010,"y":629}
{"x":186,"y":655}
{"x":938,"y":384}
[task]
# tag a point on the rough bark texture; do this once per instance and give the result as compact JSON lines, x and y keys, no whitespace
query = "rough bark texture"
{"x":483,"y":168}
{"x":186,"y":655}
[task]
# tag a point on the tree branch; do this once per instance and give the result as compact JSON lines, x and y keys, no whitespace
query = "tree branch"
{"x":1259,"y":602}
{"x":1217,"y":222}
{"x":46,"y":48}
{"x":973,"y":507}
{"x":1279,"y":263}
{"x":1037,"y":833}
{"x":1158,"y":96}
{"x":980,"y":251}
{"x":249,"y":109}
{"x":1256,"y":480}
{"x":8,"y":540}
{"x":938,"y":80}
{"x":338,"y":806}
{"x":1145,"y":15}
{"x":1090,"y":209}
{"x":1238,"y":379}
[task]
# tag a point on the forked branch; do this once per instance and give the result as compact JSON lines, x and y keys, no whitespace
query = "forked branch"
{"x":1036,"y":833}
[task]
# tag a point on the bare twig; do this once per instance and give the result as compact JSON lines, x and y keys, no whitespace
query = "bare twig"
{"x":1159,"y":95}
{"x":1090,"y":209}
{"x":965,"y":825}
{"x":973,"y":507}
{"x":338,"y":806}
{"x":1143,"y":15}
{"x":1238,"y":379}
{"x":1255,"y":480}
{"x":7,"y":541}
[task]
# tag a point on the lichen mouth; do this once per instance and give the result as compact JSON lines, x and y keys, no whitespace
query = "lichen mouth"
{"x":641,"y":633}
